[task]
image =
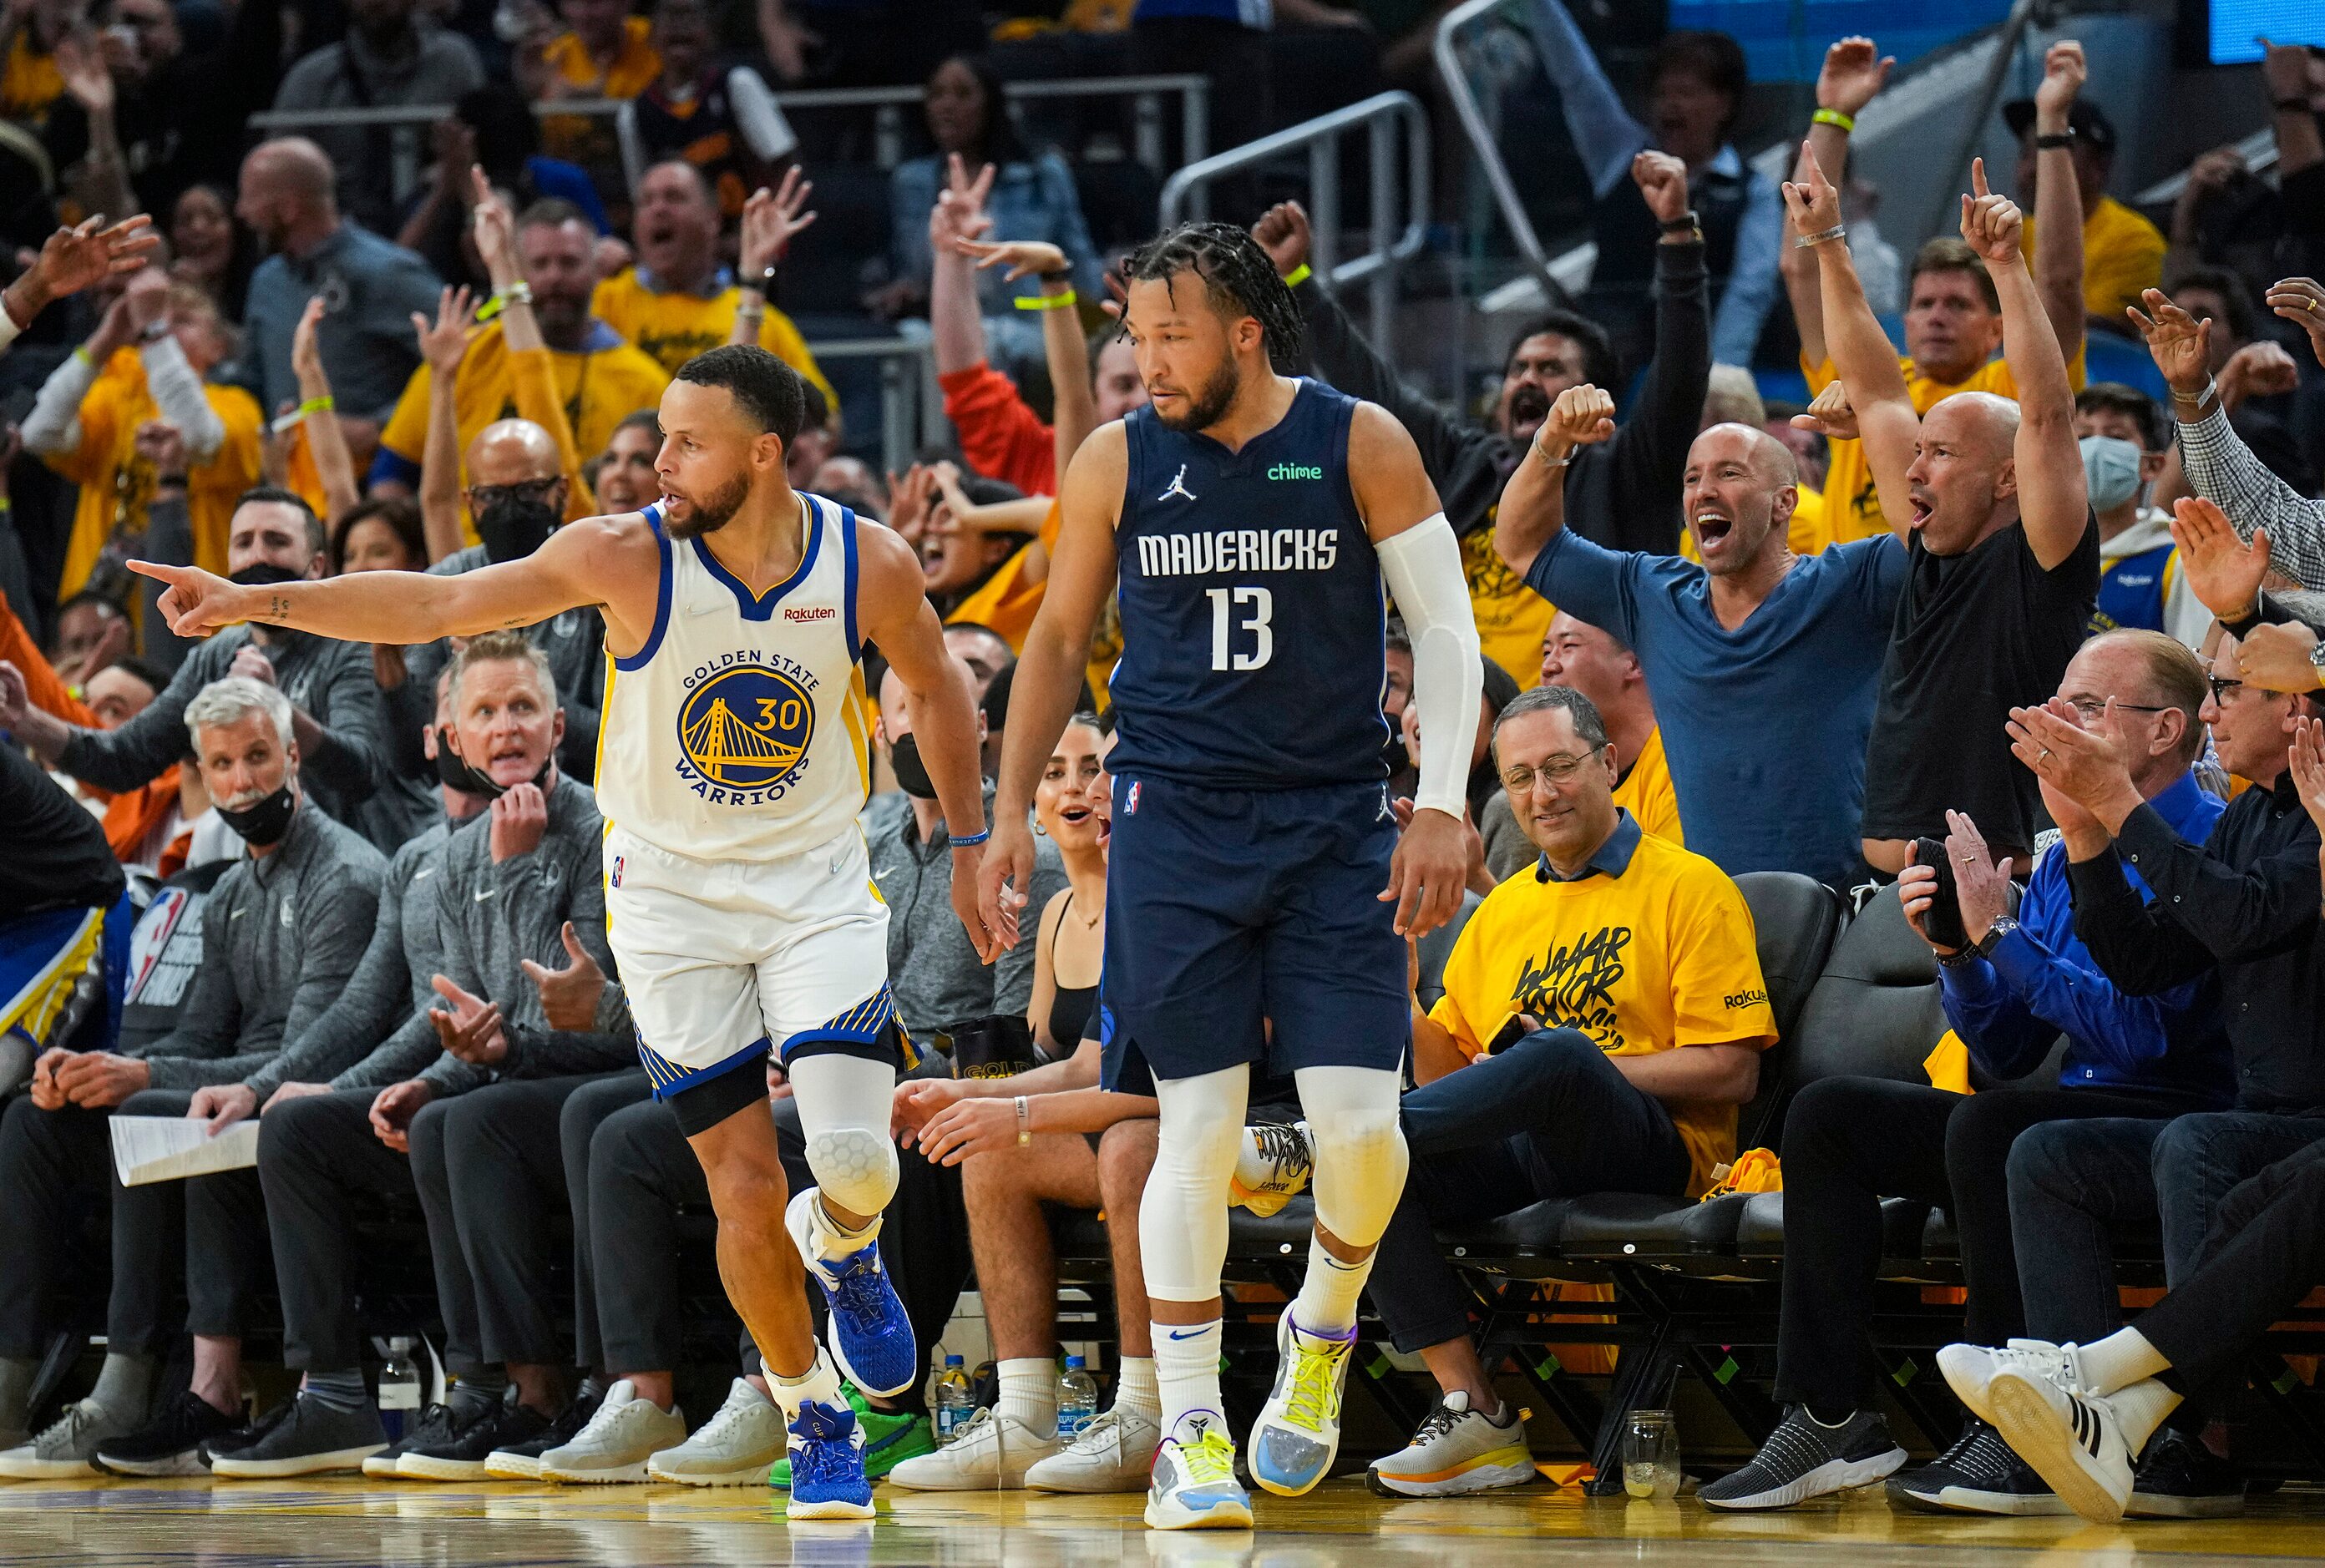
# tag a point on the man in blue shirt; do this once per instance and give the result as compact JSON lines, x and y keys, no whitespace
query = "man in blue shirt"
{"x":2019,"y":985}
{"x":1764,"y":665}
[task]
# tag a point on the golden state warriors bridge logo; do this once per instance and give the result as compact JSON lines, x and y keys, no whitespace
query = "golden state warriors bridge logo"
{"x":744,"y":729}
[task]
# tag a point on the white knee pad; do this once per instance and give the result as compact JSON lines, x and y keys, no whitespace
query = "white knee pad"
{"x":844,"y":1113}
{"x":854,"y":1168}
{"x":1360,"y":1154}
{"x":1182,"y":1223}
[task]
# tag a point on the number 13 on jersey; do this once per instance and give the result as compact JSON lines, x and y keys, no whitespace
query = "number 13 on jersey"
{"x":1249,"y":610}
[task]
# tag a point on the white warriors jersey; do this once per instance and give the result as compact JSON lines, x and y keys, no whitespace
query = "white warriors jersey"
{"x":738,"y":732}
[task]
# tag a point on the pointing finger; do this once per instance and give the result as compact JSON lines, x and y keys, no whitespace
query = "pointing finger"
{"x":1977,"y":177}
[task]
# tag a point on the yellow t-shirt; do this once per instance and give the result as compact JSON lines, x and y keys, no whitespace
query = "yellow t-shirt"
{"x":1657,"y":958}
{"x":1646,"y":791}
{"x":1512,"y":618}
{"x":2123,"y":256}
{"x":1005,"y":602}
{"x":30,"y":82}
{"x":673,"y":327}
{"x":600,"y":389}
{"x":590,"y":139}
{"x":1852,"y":508}
{"x":115,"y":483}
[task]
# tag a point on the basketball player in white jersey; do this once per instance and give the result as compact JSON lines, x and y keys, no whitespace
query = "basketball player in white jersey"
{"x":739,"y":904}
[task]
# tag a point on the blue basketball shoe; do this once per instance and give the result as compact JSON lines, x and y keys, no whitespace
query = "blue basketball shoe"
{"x":827,"y":1458}
{"x":871,"y":1337}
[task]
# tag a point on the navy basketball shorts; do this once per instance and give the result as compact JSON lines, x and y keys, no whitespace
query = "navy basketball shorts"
{"x":1230,"y":910}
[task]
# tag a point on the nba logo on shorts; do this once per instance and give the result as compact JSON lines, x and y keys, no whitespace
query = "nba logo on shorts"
{"x":1130,"y":801}
{"x":743,"y":733}
{"x":616,"y":878}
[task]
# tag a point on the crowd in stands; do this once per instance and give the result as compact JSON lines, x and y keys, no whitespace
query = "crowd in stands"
{"x":2037,"y":657}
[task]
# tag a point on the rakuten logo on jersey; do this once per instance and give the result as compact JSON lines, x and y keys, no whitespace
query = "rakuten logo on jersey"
{"x":815,"y":612}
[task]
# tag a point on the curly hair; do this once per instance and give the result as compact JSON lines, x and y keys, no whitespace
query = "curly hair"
{"x":1241,"y":280}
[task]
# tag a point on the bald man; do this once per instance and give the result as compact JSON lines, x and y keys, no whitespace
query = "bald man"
{"x":371,"y":289}
{"x":1763,"y":665}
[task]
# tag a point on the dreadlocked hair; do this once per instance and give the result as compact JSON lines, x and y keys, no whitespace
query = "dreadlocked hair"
{"x":1241,"y":278}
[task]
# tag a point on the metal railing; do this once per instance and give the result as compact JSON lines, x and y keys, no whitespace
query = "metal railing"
{"x":1453,"y":73}
{"x":911,"y":407}
{"x":2259,"y":151}
{"x":408,"y":159}
{"x":1186,"y":193}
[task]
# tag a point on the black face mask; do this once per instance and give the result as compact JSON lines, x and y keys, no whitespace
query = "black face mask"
{"x":264,"y":823}
{"x":453,"y":771}
{"x":513,"y":530}
{"x":265,"y":574}
{"x":912,"y":773}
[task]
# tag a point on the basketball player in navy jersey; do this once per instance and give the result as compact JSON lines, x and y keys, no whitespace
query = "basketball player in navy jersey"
{"x":1248,"y":521}
{"x":739,"y":903}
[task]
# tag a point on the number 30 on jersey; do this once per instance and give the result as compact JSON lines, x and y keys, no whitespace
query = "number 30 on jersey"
{"x":1241,"y":637}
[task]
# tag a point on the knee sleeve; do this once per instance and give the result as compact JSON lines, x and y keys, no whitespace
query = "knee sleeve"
{"x":843,"y":1110}
{"x":1360,"y":1154}
{"x":1183,"y":1222}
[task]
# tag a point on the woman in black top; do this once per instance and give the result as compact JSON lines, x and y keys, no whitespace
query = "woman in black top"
{"x":1072,"y":934}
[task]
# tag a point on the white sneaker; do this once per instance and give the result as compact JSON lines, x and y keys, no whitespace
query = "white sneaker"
{"x":1272,"y":1164}
{"x":1194,"y":1486}
{"x":1968,"y":1369}
{"x":2072,"y":1439}
{"x":66,"y":1447}
{"x":1298,"y":1432}
{"x":627,"y":1431}
{"x":1456,"y":1450}
{"x":992,"y":1452}
{"x":734,"y":1447}
{"x":1114,"y":1453}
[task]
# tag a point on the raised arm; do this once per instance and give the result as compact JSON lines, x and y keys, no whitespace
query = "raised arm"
{"x":1862,"y":354}
{"x":71,"y":260}
{"x":956,"y":324}
{"x":1603,"y":132}
{"x":1075,"y":409}
{"x":2052,"y":502}
{"x":2058,"y":205}
{"x":771,"y":221}
{"x":443,"y":346}
{"x":1533,"y":502}
{"x":326,"y":442}
{"x":2284,"y":66}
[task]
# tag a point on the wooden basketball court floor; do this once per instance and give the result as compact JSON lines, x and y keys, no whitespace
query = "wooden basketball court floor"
{"x":326,"y":1524}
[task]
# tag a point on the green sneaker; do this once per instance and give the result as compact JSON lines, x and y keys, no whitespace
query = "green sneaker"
{"x":888,"y":1441}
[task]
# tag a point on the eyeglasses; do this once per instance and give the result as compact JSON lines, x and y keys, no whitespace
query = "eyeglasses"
{"x":1554,"y":770}
{"x":2088,"y":708}
{"x":484,"y":496}
{"x":2221,"y":686}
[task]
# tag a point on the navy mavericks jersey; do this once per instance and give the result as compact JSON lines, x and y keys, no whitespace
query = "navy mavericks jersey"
{"x":1252,"y":615}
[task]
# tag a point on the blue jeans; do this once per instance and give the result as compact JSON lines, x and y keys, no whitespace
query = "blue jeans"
{"x":2076,"y":1186}
{"x":1549,"y":1117}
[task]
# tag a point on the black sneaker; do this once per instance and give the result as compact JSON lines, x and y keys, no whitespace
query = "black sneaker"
{"x":312,"y":1438}
{"x":435,"y":1425}
{"x":1977,"y":1475}
{"x":522,"y":1461}
{"x":1803,"y":1459}
{"x":462,"y":1457}
{"x":2179,"y":1478}
{"x":171,"y":1444}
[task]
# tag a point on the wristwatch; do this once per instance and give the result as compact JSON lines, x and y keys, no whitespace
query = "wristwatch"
{"x":2003,"y":926}
{"x":2317,"y":659}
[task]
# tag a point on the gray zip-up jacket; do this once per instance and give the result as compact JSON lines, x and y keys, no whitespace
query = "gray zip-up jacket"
{"x":280,"y":938}
{"x":488,"y":917}
{"x":383,"y":991}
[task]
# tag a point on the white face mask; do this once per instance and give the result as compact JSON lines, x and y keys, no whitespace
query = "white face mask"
{"x":2110,"y":471}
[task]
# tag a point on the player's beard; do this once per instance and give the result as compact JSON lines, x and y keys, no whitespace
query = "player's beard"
{"x":713,"y":511}
{"x":1209,"y":406}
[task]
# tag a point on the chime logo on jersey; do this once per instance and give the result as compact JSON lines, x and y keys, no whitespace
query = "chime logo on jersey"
{"x":744,"y":729}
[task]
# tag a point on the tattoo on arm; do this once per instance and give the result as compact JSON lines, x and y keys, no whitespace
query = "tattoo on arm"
{"x":278,"y":608}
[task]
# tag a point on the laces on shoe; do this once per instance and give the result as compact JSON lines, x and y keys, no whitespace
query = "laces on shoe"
{"x":823,"y":1452}
{"x":1439,"y":1421}
{"x":730,"y":1415}
{"x":1314,"y":1399}
{"x":1209,"y":1461}
{"x":858,"y":1290}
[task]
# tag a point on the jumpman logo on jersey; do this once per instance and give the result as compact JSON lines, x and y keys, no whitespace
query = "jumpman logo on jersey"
{"x":1178,"y":486}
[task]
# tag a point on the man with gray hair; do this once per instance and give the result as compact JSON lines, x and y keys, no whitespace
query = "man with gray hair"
{"x":274,"y":537}
{"x":281,"y":933}
{"x":1603,"y":1017}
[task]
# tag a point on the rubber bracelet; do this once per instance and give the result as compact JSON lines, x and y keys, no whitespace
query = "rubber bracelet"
{"x":963,"y":840}
{"x":321,"y":405}
{"x":2290,"y":105}
{"x":1835,"y":118}
{"x":1297,"y":275}
{"x":2055,"y":142}
{"x":514,"y":294}
{"x":1820,"y":238}
{"x":1064,"y":302}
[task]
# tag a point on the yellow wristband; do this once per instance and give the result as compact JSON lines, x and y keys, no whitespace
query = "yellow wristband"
{"x":1064,"y":302}
{"x":321,"y":405}
{"x":1297,"y":275}
{"x":1835,"y":118}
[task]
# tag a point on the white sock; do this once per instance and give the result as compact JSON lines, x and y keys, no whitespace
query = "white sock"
{"x":2118,"y":1360}
{"x":834,"y":1240}
{"x":820,"y":1383}
{"x":1029,"y":1392}
{"x":1134,"y":1387}
{"x":1327,"y":1302}
{"x":1187,"y":1370}
{"x":2141,"y":1408}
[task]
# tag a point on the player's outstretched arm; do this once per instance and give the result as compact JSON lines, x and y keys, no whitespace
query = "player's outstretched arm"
{"x":1049,"y":675}
{"x":893,"y":607}
{"x":564,"y":574}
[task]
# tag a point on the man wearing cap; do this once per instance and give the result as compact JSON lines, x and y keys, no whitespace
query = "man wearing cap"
{"x":2123,"y":253}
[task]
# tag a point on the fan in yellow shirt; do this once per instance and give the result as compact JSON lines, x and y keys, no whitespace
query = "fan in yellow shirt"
{"x":2123,"y":253}
{"x":598,"y":379}
{"x":604,"y":54}
{"x":678,"y":301}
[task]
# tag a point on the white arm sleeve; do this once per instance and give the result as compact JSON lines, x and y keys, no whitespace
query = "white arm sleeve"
{"x":1423,"y":565}
{"x":54,"y":424}
{"x":178,"y":394}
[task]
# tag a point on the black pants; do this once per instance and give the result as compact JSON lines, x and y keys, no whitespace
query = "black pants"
{"x":56,"y":1176}
{"x":2265,"y":1254}
{"x":318,"y":1159}
{"x":1850,"y":1142}
{"x":1548,"y":1116}
{"x":585,"y":1111}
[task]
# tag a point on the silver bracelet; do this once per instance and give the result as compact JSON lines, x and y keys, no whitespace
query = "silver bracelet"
{"x":1804,"y":241}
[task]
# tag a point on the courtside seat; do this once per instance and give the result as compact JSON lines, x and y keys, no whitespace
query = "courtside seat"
{"x":1280,"y":1235}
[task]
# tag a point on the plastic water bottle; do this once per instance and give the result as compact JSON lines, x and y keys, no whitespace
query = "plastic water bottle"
{"x":399,"y":1389}
{"x":1077,"y":1399}
{"x":955,"y":1401}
